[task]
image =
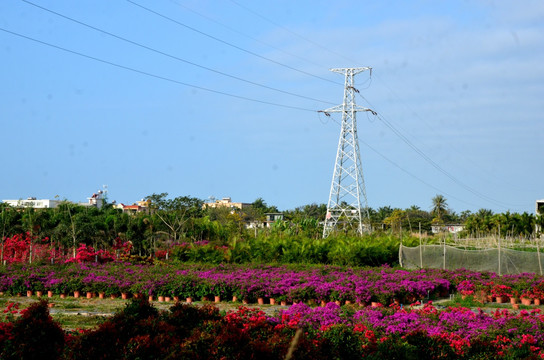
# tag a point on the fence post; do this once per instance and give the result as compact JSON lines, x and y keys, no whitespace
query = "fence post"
{"x":420,"y":250}
{"x":538,"y":254}
{"x":500,"y":257}
{"x":444,"y":266}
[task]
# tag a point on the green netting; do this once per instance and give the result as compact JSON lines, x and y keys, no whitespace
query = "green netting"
{"x":501,"y":261}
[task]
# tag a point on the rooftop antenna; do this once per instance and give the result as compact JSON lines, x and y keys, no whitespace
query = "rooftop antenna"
{"x":348,"y":186}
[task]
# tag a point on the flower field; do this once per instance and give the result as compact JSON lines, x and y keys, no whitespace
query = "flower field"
{"x":381,"y":314}
{"x":185,"y":331}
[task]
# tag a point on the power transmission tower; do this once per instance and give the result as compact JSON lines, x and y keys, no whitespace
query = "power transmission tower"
{"x":348,"y":185}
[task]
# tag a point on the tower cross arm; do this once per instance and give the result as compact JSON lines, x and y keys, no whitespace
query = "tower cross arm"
{"x":352,"y":70}
{"x":342,"y":108}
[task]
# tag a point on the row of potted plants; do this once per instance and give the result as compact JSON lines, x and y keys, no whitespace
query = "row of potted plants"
{"x":253,"y":282}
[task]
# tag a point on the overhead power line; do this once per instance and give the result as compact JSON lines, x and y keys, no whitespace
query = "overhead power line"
{"x":291,"y":32}
{"x":141,"y":72}
{"x":229,"y":44}
{"x":247,"y":35}
{"x":433,"y":163}
{"x":172,"y":56}
{"x":405,"y":170}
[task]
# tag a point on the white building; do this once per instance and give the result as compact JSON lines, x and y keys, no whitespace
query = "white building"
{"x":33,"y":202}
{"x":96,"y":200}
{"x":451,"y":228}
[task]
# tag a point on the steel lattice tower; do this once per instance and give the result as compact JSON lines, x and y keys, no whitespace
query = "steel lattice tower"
{"x":348,"y":186}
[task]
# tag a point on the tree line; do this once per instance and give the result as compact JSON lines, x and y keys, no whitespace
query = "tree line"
{"x":170,"y":221}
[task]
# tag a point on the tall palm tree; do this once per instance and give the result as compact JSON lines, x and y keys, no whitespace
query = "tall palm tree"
{"x":440,"y":206}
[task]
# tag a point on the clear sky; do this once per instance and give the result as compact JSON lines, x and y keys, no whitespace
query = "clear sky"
{"x":220,"y":98}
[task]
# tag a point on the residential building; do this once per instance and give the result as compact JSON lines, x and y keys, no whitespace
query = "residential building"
{"x":227,"y":203}
{"x":272,"y":218}
{"x":140,"y":206}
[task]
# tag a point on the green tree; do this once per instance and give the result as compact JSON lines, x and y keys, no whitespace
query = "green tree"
{"x":439,"y":207}
{"x":175,"y":213}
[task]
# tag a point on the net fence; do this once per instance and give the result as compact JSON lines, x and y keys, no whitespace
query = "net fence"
{"x":499,"y":260}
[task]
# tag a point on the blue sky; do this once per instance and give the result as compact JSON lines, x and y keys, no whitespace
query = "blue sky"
{"x":461,"y":81}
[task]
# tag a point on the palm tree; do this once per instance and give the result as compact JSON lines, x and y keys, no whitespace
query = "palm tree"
{"x":440,"y":206}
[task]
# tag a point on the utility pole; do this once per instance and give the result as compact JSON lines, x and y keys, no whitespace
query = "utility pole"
{"x":348,"y":186}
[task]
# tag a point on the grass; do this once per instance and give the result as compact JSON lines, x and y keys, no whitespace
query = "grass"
{"x":83,"y":313}
{"x":469,"y":302}
{"x":74,"y":322}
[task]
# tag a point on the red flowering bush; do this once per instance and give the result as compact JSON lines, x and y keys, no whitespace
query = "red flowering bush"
{"x":33,"y":332}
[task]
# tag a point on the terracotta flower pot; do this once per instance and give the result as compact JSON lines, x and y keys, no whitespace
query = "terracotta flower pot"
{"x":272,"y":301}
{"x":101,"y":295}
{"x":260,"y":301}
{"x":283,"y":303}
{"x":234,"y":298}
{"x":124,"y":296}
{"x":374,"y":304}
{"x":161,"y":298}
{"x":513,"y":300}
{"x":526,"y":301}
{"x":49,"y":293}
{"x":167,"y":299}
{"x":245,"y":301}
{"x":217,"y":299}
{"x":63,"y":296}
{"x":76,"y":294}
{"x":150,"y":298}
{"x":348,"y":302}
{"x":89,"y":295}
{"x":176,"y":298}
{"x":50,"y":305}
{"x":515,"y":306}
{"x":537,"y":302}
{"x":29,"y":293}
{"x":39,"y":293}
{"x":323,"y":303}
{"x":189,"y":300}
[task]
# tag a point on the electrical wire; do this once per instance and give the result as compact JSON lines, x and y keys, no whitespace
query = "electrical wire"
{"x":406,"y":171}
{"x":172,"y":56}
{"x":246,"y":35}
{"x":229,"y":44}
{"x":439,"y":135}
{"x":290,"y":31}
{"x":141,"y":72}
{"x":387,"y":123}
{"x":433,"y":163}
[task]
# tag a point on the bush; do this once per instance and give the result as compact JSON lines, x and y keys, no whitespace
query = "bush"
{"x":33,"y":333}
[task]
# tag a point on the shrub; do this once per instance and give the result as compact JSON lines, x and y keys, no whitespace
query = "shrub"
{"x":33,"y":333}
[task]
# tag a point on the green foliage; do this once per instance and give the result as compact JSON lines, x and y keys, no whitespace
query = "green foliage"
{"x":180,"y":225}
{"x":342,"y":343}
{"x":370,"y":250}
